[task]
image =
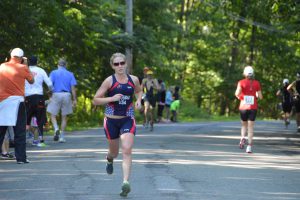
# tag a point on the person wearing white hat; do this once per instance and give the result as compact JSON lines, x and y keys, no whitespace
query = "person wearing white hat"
{"x":248,"y":91}
{"x":12,"y":108}
{"x":294,"y":87}
{"x":286,"y":101}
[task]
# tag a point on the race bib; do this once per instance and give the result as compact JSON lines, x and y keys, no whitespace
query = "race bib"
{"x":249,"y":100}
{"x":123,"y":100}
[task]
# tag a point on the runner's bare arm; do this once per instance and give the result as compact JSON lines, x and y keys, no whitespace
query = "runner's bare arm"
{"x":156,"y":84}
{"x":278,"y":93}
{"x":238,"y":91}
{"x":259,"y":94}
{"x":138,"y":92}
{"x":143,"y":84}
{"x":289,"y":88}
{"x":74,"y":95}
{"x":100,"y":99}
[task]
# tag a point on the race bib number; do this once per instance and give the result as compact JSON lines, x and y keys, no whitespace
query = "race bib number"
{"x":249,"y":100}
{"x":123,"y":100}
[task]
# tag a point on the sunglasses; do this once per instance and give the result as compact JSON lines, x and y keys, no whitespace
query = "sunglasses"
{"x":119,"y":63}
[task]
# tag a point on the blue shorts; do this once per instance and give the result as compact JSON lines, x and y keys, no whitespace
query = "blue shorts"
{"x":113,"y":128}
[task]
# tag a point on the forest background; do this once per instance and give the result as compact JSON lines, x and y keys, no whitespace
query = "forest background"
{"x":200,"y":45}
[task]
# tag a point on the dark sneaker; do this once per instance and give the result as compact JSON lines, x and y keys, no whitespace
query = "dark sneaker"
{"x":151,"y":127}
{"x":125,"y":189}
{"x":109,"y":166}
{"x":35,"y":142}
{"x":56,"y":136}
{"x":146,"y":125}
{"x":23,"y":162}
{"x":286,"y":123}
{"x":242,"y":143}
{"x":8,"y":156}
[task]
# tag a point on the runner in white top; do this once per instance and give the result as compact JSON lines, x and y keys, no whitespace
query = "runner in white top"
{"x":34,"y":97}
{"x":40,"y":77}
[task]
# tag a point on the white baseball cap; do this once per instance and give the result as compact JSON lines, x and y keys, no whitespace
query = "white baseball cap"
{"x":285,"y":81}
{"x":17,"y":52}
{"x":248,"y":71}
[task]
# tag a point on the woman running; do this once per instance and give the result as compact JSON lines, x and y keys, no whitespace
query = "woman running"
{"x":248,"y":91}
{"x":116,"y":92}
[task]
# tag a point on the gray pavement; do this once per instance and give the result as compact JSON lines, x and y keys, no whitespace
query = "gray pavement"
{"x":175,"y":162}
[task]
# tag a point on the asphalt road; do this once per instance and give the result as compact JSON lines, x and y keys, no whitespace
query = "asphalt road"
{"x":193,"y":161}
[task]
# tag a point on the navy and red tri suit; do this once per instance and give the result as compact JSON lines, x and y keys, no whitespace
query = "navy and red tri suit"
{"x":124,"y":107}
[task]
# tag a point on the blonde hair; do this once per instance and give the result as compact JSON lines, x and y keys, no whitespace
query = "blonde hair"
{"x":116,"y":55}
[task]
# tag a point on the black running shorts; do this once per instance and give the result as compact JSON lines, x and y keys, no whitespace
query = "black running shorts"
{"x":248,"y":115}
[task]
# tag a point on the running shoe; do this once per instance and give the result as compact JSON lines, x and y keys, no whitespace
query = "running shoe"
{"x":29,"y":134}
{"x":146,"y":125}
{"x":286,"y":123}
{"x":109,"y":165}
{"x":23,"y":162}
{"x":151,"y":127}
{"x":56,"y":136}
{"x":62,"y":140}
{"x":249,"y":149}
{"x":35,"y":142}
{"x":41,"y":144}
{"x":242,"y":143}
{"x":125,"y":189}
{"x":7,"y":156}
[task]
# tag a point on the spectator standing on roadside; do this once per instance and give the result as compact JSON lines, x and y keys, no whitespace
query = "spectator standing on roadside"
{"x":175,"y":109}
{"x":161,"y":99}
{"x":168,"y":102}
{"x":5,"y":154}
{"x":64,"y":90}
{"x":12,"y":107}
{"x":176,"y":94}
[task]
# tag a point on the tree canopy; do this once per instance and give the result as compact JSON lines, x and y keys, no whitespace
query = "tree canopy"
{"x":202,"y":46}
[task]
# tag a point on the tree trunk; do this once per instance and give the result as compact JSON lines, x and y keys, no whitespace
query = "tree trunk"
{"x":252,"y":44}
{"x":234,"y":57}
{"x":129,"y":31}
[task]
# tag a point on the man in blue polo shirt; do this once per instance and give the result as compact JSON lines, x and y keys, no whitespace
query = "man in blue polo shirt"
{"x":64,"y":89}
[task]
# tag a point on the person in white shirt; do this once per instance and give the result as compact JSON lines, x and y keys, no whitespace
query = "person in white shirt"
{"x":34,"y":98}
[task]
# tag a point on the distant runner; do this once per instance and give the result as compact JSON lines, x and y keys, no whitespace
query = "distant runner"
{"x":286,"y":101}
{"x":149,"y":85}
{"x":294,"y":87}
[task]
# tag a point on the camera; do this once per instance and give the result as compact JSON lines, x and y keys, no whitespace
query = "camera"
{"x":24,"y":61}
